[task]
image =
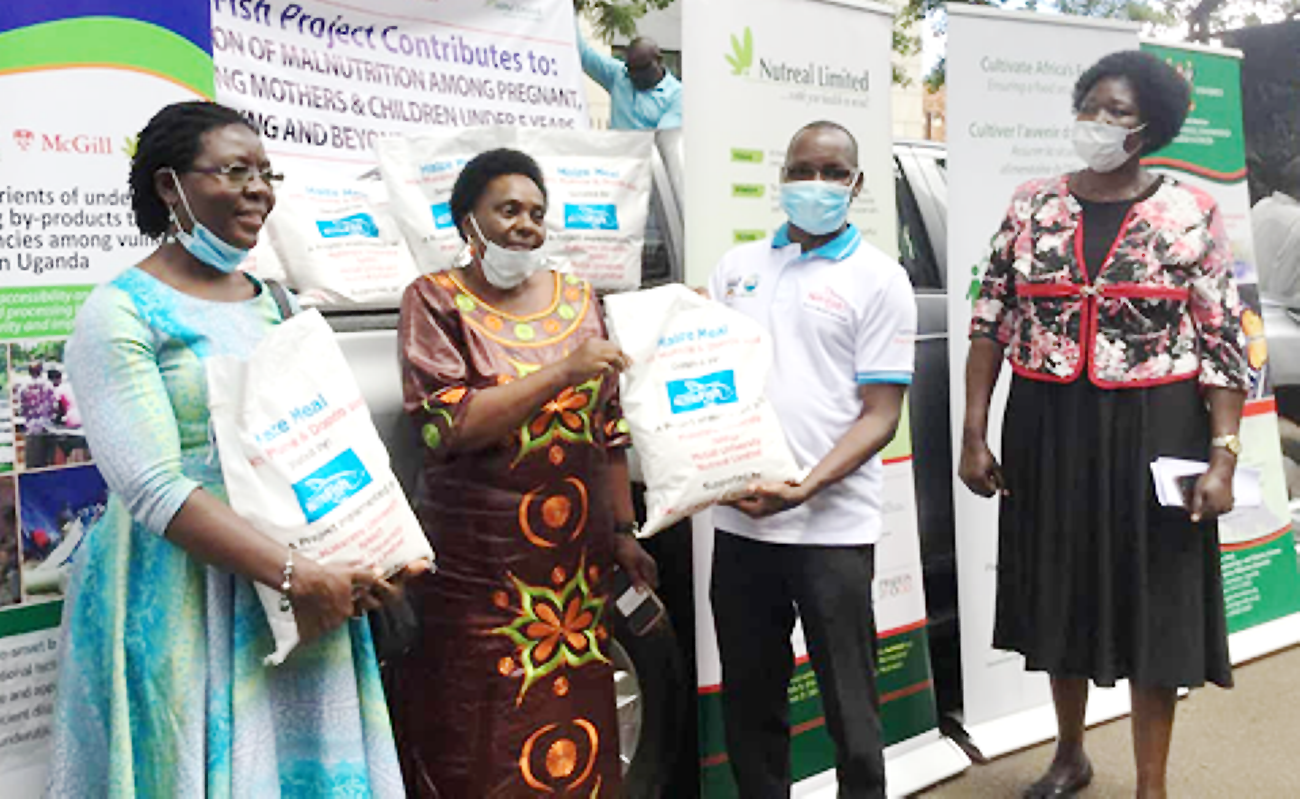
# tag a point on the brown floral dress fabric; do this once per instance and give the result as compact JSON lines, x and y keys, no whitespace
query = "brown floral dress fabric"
{"x":511,"y":690}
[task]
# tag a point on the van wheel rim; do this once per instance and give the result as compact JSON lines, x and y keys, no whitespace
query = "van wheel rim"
{"x":627,"y":697}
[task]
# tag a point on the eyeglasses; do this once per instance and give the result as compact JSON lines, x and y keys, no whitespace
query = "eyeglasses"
{"x":830,"y":174}
{"x":240,"y":175}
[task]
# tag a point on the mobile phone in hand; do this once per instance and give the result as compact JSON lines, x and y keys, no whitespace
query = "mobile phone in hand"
{"x":641,"y":608}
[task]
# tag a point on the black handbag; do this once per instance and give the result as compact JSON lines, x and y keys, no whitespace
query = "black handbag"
{"x":395,"y":627}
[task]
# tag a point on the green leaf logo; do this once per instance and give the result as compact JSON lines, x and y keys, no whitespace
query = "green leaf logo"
{"x":741,"y":57}
{"x":129,"y":145}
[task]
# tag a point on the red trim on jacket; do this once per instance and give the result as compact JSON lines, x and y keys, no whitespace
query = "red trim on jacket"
{"x":1089,"y":293}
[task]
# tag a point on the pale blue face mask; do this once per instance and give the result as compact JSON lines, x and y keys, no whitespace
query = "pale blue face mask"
{"x":816,"y":206}
{"x":203,"y":243}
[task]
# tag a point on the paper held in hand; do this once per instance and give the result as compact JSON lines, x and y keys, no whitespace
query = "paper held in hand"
{"x":1175,"y":478}
{"x":302,"y":462}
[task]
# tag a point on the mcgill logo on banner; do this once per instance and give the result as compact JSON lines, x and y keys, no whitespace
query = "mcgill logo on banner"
{"x":78,"y":144}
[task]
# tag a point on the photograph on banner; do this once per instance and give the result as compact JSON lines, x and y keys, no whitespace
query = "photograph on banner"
{"x":322,"y":81}
{"x":7,"y":448}
{"x":45,"y":408}
{"x":10,"y":559}
{"x":57,"y":508}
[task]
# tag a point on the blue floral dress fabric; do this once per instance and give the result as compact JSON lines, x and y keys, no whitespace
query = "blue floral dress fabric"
{"x":162,"y":690}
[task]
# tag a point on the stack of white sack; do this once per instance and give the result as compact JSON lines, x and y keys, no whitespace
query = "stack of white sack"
{"x":695,"y":400}
{"x":598,"y":184}
{"x":303,"y":463}
{"x":337,"y":241}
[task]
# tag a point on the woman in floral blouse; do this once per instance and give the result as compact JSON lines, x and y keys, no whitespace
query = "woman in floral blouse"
{"x":514,"y":388}
{"x":1110,"y":290}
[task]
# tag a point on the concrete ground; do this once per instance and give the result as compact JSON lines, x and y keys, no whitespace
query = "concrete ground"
{"x":1240,"y":743}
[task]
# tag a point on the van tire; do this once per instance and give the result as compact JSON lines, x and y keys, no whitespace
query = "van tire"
{"x":662,"y":681}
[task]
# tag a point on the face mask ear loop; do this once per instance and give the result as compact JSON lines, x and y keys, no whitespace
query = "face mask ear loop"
{"x":1141,"y":140}
{"x":194,"y":220}
{"x":854,"y":187}
{"x":483,"y":241}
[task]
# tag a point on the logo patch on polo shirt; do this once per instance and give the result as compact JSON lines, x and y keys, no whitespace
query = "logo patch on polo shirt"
{"x":692,"y":394}
{"x":742,"y":286}
{"x":823,"y":301}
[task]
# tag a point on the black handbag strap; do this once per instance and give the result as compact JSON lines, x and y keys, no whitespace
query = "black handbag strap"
{"x":281,"y":296}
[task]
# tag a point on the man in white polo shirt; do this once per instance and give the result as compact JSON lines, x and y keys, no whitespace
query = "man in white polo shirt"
{"x":842,"y":319}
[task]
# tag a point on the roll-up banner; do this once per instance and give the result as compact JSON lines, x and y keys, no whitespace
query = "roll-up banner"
{"x":780,"y":65}
{"x":1260,"y":582}
{"x":76,"y":88}
{"x":1010,"y":79}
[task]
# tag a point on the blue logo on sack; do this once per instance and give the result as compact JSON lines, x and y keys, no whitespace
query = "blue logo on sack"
{"x":355,"y":225}
{"x":693,"y":394}
{"x":591,"y":217}
{"x":325,"y":489}
{"x":442,"y":216}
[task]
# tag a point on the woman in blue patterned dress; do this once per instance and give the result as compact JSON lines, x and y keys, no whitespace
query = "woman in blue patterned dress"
{"x":162,"y":690}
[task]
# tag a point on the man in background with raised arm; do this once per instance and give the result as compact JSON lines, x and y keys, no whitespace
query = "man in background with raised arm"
{"x":643,"y":94}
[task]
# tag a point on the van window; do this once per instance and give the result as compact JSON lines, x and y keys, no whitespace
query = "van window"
{"x":914,"y":248}
{"x":656,"y":267}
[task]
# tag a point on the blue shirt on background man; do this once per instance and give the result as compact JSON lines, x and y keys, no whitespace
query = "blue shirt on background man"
{"x":643,"y":94}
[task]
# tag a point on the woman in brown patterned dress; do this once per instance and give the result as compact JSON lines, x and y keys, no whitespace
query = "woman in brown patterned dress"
{"x":513,"y":386}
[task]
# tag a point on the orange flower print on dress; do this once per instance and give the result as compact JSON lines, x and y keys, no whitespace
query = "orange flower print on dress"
{"x":555,"y":628}
{"x":567,"y":417}
{"x":453,"y":395}
{"x":566,"y":408}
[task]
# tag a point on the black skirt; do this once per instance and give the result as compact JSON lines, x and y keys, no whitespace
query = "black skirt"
{"x":1095,"y":579}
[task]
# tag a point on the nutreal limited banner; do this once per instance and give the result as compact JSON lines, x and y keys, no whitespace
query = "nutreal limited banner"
{"x":760,"y":70}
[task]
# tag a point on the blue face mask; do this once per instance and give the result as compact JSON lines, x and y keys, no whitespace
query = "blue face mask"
{"x":202,"y":243}
{"x":815,"y":206}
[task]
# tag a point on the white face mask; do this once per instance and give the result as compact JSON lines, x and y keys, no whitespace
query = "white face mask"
{"x":1101,"y":146}
{"x":505,"y":268}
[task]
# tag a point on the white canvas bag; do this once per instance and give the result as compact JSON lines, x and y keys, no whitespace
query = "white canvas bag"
{"x":694,"y":398}
{"x":302,"y":461}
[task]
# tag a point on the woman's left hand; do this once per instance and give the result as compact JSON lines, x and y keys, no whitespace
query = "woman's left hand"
{"x":1212,"y":496}
{"x":635,"y":561}
{"x":390,"y":591}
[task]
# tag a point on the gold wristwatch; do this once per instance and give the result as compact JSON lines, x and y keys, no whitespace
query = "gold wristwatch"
{"x":1230,"y":442}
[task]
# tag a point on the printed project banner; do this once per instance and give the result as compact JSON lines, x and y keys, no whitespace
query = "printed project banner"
{"x":1011,"y":77}
{"x":76,"y":89}
{"x":780,"y":65}
{"x":324,"y":80}
{"x":1260,"y":580}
